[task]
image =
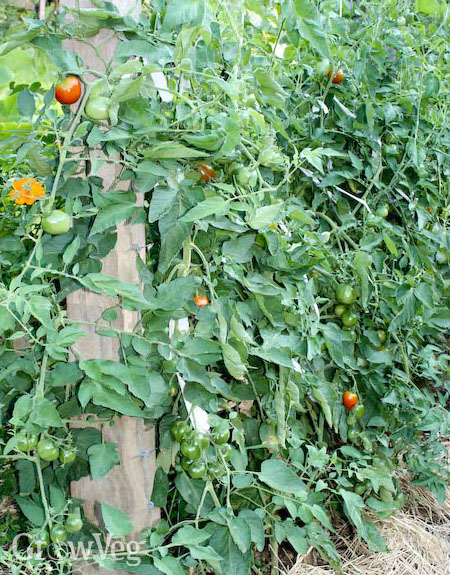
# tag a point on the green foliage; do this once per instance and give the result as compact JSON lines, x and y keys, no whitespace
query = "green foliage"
{"x":304,"y":170}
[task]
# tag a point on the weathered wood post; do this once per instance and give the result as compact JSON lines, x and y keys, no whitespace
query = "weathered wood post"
{"x":129,"y":485}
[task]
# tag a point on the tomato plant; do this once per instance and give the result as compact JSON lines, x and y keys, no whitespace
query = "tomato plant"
{"x":68,"y":91}
{"x":314,"y":217}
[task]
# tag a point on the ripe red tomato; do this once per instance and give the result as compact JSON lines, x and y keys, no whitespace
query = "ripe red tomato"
{"x":206,"y":172}
{"x":338,"y":76}
{"x":68,"y":91}
{"x":201,"y":300}
{"x":349,"y":400}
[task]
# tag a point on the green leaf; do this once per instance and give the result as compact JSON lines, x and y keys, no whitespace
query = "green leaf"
{"x":32,"y":511}
{"x":117,"y":522}
{"x":110,"y":216}
{"x":162,"y":200}
{"x":209,"y":140}
{"x":279,"y":475}
{"x":102,"y":458}
{"x":240,"y":532}
{"x":189,"y":535}
{"x":171,"y":150}
{"x":233,"y":561}
{"x":311,"y":26}
{"x":233,"y":362}
{"x":169,"y":565}
{"x":264,"y":216}
{"x":213,"y":205}
{"x":362,"y":262}
{"x":7,"y":322}
{"x":131,"y":293}
{"x":182,"y":12}
{"x":45,"y":414}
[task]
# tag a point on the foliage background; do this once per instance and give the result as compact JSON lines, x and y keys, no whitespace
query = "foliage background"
{"x":302,"y":167}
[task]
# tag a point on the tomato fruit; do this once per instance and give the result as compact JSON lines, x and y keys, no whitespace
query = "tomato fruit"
{"x":349,"y":319}
{"x":221,"y":437}
{"x":345,"y":294}
{"x":401,"y":21}
{"x":185,"y":463}
{"x":68,"y":91}
{"x":359,"y":411}
{"x":191,"y":450}
{"x":382,"y":335}
{"x":197,"y":470}
{"x":41,"y":540}
{"x":225,"y":451}
{"x":179,"y":430}
{"x":201,"y":300}
{"x":349,"y":400}
{"x":352,"y":434}
{"x":323,"y":67}
{"x":382,"y":211}
{"x":338,"y":76}
{"x":207,"y":173}
{"x":56,"y":223}
{"x":26,"y":441}
{"x":216,"y":469}
{"x":58,"y":533}
{"x":67,"y":454}
{"x":47,"y":450}
{"x":203,"y":440}
{"x":363,"y":487}
{"x":339,"y":309}
{"x":73,"y":523}
{"x":97,"y":108}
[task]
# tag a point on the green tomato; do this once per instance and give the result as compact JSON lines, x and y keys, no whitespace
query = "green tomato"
{"x":345,"y":294}
{"x":203,"y":440}
{"x":185,"y":463}
{"x":362,"y":362}
{"x":339,"y":309}
{"x":216,"y":469}
{"x":243,"y":176}
{"x":58,"y":533}
{"x":221,"y":436}
{"x":359,"y":411}
{"x":382,"y":335}
{"x":383,"y":211}
{"x":26,"y":441}
{"x":362,"y":488}
{"x":97,"y":108}
{"x":73,"y":523}
{"x":401,"y":21}
{"x":41,"y":540}
{"x":179,"y":430}
{"x":191,"y":450}
{"x":67,"y":454}
{"x":226,"y":451}
{"x":56,"y":223}
{"x":441,"y":256}
{"x":47,"y":450}
{"x":349,"y":319}
{"x":352,"y":434}
{"x":197,"y":470}
{"x":323,"y":67}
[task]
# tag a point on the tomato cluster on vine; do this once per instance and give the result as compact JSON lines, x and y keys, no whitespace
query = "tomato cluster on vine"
{"x":202,"y":455}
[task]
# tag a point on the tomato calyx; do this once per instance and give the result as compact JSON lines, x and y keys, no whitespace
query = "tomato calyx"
{"x":349,"y":400}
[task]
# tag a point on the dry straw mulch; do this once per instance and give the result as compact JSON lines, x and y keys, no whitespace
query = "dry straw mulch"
{"x":418,"y":539}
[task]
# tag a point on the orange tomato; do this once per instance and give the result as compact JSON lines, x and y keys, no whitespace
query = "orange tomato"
{"x":207,"y":173}
{"x":26,"y":191}
{"x":349,"y":400}
{"x":68,"y":91}
{"x":338,"y":76}
{"x":201,"y":300}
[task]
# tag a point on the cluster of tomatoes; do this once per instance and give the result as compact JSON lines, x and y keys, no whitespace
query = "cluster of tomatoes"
{"x":69,"y":91}
{"x":202,"y":456}
{"x":48,"y":450}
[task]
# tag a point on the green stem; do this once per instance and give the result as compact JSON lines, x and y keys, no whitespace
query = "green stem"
{"x":48,"y":519}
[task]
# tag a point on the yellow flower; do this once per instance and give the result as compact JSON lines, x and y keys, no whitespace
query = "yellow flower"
{"x":26,"y":191}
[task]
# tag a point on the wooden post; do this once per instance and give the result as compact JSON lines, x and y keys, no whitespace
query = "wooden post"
{"x":129,"y":485}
